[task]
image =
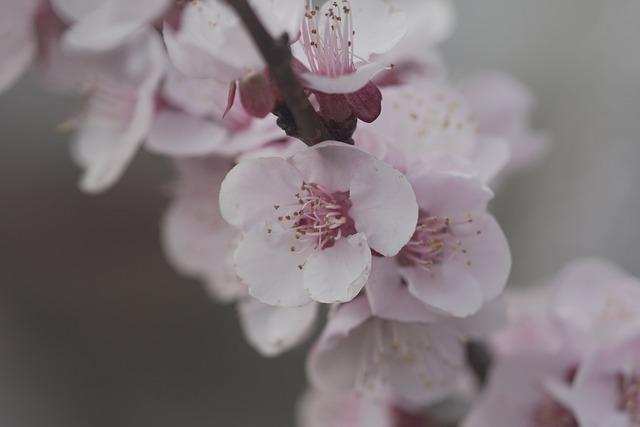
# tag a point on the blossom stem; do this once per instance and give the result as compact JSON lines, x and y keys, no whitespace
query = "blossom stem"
{"x":307,"y":125}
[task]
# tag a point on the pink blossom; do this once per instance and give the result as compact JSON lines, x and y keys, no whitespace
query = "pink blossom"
{"x":309,"y":223}
{"x":457,"y":259}
{"x":426,"y":120}
{"x":18,"y":44}
{"x":503,"y":107}
{"x":416,"y":363}
{"x":199,"y":243}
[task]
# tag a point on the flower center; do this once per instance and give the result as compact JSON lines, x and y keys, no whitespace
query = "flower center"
{"x":321,"y":217}
{"x":435,"y":240}
{"x":549,"y":413}
{"x":329,"y":49}
{"x":629,"y":389}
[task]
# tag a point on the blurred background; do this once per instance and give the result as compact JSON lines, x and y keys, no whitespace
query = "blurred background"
{"x":95,"y":328}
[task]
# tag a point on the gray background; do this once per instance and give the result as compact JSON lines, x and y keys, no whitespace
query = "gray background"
{"x":96,"y":330}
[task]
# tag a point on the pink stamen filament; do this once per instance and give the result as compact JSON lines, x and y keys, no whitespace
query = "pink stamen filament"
{"x":433,"y":242}
{"x":320,"y":217}
{"x":330,"y":53}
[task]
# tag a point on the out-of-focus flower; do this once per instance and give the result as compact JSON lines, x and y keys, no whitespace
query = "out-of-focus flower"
{"x":503,"y":107}
{"x":317,"y":409}
{"x":342,"y":410}
{"x":309,"y":223}
{"x":426,"y":119}
{"x":518,"y":395}
{"x":196,"y":122}
{"x":102,"y":25}
{"x":211,"y":42}
{"x":120,"y":111}
{"x":570,"y":358}
{"x":415,"y":58}
{"x":415,"y":363}
{"x":18,"y":39}
{"x":199,"y":243}
{"x":606,"y":390}
{"x":589,"y":299}
{"x":338,"y":43}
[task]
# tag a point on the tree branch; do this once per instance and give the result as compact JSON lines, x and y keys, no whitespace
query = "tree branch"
{"x":308,"y":126}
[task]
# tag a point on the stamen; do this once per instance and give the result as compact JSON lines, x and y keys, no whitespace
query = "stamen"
{"x":330,"y":51}
{"x":319,"y":217}
{"x":435,"y":240}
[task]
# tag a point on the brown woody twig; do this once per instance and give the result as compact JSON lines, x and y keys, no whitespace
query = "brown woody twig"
{"x":310,"y":128}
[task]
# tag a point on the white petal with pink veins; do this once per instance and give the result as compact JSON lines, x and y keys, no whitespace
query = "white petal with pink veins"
{"x":111,"y":24}
{"x":274,"y":330}
{"x":258,"y":190}
{"x":272,"y":271}
{"x":339,"y":272}
{"x":384,"y":206}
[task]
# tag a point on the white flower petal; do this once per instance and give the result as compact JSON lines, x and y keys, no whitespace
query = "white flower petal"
{"x":266,"y":264}
{"x":446,"y":287}
{"x":119,"y":118}
{"x":378,"y":25}
{"x":384,"y":206}
{"x":390,"y":298}
{"x":257,"y":190}
{"x":338,"y":273}
{"x":347,"y":83}
{"x":335,"y":359}
{"x":330,"y":164}
{"x":75,"y":10}
{"x":18,"y":43}
{"x":274,"y":330}
{"x":112,"y":23}
{"x":178,"y":134}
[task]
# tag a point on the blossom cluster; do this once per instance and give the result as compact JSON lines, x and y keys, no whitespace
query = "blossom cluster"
{"x":386,"y":225}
